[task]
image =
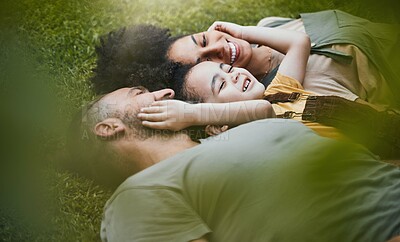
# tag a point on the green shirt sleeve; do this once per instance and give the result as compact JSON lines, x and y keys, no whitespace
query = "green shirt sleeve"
{"x":151,"y":214}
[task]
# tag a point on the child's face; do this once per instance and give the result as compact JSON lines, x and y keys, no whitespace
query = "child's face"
{"x":220,"y":83}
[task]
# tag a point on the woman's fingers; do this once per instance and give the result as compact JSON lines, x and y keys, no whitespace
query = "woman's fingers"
{"x":215,"y":26}
{"x":230,"y":28}
{"x":219,"y":26}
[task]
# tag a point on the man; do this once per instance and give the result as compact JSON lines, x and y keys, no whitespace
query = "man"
{"x":270,"y":180}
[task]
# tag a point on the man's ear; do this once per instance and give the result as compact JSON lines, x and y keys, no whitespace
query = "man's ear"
{"x":215,"y":129}
{"x":110,"y":128}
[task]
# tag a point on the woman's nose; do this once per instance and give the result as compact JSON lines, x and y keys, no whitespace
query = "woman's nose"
{"x":214,"y":52}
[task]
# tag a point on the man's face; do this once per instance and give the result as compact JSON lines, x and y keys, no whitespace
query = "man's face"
{"x":222,"y":83}
{"x":211,"y":46}
{"x":128,"y":101}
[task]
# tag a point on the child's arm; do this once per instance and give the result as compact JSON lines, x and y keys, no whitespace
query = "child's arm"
{"x":176,"y":115}
{"x":295,"y":45}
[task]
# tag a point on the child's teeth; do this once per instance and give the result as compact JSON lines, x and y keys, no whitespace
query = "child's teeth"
{"x":246,"y":85}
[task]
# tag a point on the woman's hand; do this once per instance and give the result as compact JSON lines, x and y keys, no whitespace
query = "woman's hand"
{"x":168,"y":114}
{"x":230,"y":28}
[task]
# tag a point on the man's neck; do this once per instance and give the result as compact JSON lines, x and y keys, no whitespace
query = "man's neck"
{"x":150,"y":151}
{"x":168,"y":148}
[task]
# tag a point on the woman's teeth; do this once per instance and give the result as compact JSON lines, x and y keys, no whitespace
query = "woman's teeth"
{"x":246,"y":85}
{"x":233,"y":52}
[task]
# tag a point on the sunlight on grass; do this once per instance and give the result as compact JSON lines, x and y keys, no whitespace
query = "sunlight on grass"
{"x":60,"y":37}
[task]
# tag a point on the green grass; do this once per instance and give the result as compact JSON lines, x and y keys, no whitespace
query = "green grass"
{"x":47,"y":54}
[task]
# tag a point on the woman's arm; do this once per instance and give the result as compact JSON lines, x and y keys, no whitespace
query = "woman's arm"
{"x":295,"y":45}
{"x":176,"y":115}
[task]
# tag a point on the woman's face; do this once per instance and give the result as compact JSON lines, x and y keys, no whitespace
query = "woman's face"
{"x":211,"y":46}
{"x":221,"y":83}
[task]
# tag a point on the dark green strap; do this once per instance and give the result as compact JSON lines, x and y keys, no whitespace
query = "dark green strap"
{"x":378,"y":131}
{"x":283,"y":97}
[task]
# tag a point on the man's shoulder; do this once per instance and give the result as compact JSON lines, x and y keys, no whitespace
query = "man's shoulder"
{"x":260,"y":133}
{"x":272,"y":126}
{"x":261,"y":136}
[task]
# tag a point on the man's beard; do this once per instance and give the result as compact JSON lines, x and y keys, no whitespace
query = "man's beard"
{"x":139,"y":131}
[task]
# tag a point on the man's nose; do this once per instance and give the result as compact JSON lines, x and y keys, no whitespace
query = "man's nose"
{"x":164,"y":94}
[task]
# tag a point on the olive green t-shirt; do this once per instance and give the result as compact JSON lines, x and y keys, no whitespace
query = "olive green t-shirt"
{"x":270,"y":180}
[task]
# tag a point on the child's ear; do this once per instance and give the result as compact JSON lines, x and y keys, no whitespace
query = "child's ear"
{"x":215,"y":129}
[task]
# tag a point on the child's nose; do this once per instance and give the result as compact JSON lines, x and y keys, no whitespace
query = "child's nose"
{"x":234,"y":77}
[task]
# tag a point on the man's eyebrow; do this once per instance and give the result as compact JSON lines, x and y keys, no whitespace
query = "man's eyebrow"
{"x":194,"y":40}
{"x":131,"y":91}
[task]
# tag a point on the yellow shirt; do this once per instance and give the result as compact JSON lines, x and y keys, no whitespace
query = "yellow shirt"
{"x":286,"y":84}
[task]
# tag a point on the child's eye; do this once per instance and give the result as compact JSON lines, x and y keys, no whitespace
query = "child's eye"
{"x":221,"y":86}
{"x":226,"y":68}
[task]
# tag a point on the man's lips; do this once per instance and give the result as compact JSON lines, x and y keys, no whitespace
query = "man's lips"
{"x":234,"y":52}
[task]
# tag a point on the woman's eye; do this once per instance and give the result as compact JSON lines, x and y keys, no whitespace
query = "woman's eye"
{"x":204,"y":40}
{"x":221,"y":86}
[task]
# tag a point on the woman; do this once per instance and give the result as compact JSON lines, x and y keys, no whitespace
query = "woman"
{"x":333,"y":68}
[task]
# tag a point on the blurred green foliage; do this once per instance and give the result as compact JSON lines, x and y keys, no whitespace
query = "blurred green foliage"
{"x":47,"y":52}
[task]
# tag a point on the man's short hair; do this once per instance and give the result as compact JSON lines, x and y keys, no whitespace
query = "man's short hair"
{"x":93,"y":156}
{"x":87,"y":154}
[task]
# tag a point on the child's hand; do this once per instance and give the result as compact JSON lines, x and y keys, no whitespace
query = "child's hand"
{"x":168,"y":114}
{"x":230,"y":28}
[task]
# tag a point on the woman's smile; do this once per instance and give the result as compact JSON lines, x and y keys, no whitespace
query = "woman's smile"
{"x":234,"y":52}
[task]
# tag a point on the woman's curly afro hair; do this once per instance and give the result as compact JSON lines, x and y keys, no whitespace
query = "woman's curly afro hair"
{"x":134,"y":56}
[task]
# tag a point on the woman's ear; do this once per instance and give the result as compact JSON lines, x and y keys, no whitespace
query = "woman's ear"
{"x":215,"y":129}
{"x":109,"y":128}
